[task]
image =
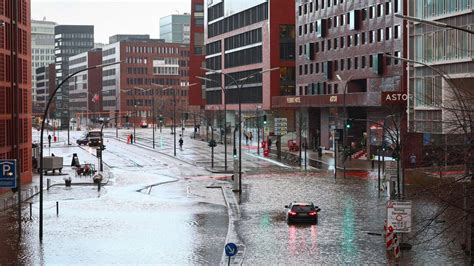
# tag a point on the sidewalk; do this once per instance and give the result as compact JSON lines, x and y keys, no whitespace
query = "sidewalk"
{"x":10,"y":199}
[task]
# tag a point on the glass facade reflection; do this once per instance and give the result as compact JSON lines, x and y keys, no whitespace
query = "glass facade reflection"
{"x":235,"y":6}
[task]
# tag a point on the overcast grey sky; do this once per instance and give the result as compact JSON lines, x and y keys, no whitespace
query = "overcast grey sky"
{"x":110,"y":17}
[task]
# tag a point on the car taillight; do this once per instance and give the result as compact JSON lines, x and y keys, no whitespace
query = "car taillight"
{"x":292,"y":213}
{"x":312,"y":213}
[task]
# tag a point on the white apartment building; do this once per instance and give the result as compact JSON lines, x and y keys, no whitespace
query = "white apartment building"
{"x":42,"y":48}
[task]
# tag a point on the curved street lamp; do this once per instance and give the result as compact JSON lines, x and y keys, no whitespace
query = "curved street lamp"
{"x":41,"y":137}
{"x":240,"y":84}
{"x":224,"y":91}
{"x":344,"y":137}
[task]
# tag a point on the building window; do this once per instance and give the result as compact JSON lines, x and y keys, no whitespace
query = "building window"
{"x":388,"y":8}
{"x":371,"y":36}
{"x":379,"y":10}
{"x":342,"y":42}
{"x":349,"y":63}
{"x":363,"y":38}
{"x":363,"y":62}
{"x":396,"y":31}
{"x":379,"y":35}
{"x":356,"y":62}
{"x":388,"y":33}
{"x":342,"y":64}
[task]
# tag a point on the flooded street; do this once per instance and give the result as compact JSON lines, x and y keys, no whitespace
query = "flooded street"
{"x":149,"y":213}
{"x":350,"y":210}
{"x":157,"y":209}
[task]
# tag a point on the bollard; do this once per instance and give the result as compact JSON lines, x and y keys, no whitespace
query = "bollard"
{"x":48,"y":183}
{"x":57,"y":208}
{"x":98,"y":186}
{"x":31,"y":209}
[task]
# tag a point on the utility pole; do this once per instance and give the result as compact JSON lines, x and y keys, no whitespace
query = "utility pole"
{"x":15,"y":102}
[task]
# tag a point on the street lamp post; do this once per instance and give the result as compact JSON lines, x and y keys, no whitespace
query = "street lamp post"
{"x":134,"y":115}
{"x":174,"y":112}
{"x":153,"y":111}
{"x":433,"y":23}
{"x":41,"y":139}
{"x":224,"y":91}
{"x":174,"y":108}
{"x":344,"y":137}
{"x":240,"y":83}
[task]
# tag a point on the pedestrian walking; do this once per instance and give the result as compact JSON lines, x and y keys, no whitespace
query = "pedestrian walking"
{"x":269,"y":143}
{"x":181,"y":141}
{"x":250,"y":136}
{"x":413,"y":160}
{"x":246,"y":138}
{"x":49,"y":140}
{"x":131,"y":138}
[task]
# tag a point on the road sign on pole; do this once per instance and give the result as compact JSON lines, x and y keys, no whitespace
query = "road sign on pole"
{"x":399,"y":216}
{"x":8,"y":173}
{"x":231,"y":249}
{"x":281,"y":126}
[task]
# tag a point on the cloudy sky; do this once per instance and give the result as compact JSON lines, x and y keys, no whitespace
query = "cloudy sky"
{"x":110,"y":17}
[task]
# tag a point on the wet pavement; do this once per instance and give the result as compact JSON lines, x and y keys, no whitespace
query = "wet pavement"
{"x":153,"y":211}
{"x":350,"y":211}
{"x":157,"y":210}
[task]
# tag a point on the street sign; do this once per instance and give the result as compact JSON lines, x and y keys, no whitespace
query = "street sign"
{"x":8,"y":173}
{"x":281,"y":126}
{"x":391,"y":170}
{"x":399,"y":216}
{"x":230,"y":249}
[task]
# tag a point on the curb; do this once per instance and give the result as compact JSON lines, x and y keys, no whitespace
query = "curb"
{"x":233,"y":211}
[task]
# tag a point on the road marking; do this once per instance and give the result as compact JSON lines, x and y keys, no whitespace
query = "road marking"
{"x":270,"y":160}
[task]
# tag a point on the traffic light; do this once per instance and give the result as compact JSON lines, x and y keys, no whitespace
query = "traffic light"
{"x":161,"y":119}
{"x":349,"y":123}
{"x":264,"y":119}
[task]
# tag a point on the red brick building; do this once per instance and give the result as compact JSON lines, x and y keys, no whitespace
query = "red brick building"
{"x":15,"y":85}
{"x":197,"y":53}
{"x":245,"y":37}
{"x":129,"y":86}
{"x":341,"y":67}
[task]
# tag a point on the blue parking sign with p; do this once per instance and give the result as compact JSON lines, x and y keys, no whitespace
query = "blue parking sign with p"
{"x":8,"y":173}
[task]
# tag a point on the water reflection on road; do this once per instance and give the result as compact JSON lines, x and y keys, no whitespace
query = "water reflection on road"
{"x":118,"y":227}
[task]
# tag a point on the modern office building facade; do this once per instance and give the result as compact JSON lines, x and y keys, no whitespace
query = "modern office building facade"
{"x":15,"y":87}
{"x":449,"y":50}
{"x":69,"y":40}
{"x":197,"y":53}
{"x":342,"y":73}
{"x":129,"y":88}
{"x":175,"y":28}
{"x":42,"y":49}
{"x":244,"y":38}
{"x":85,"y":102}
{"x":125,"y":37}
{"x":45,"y":77}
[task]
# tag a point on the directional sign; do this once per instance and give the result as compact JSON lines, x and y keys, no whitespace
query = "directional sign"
{"x":281,"y":126}
{"x":8,"y":173}
{"x":399,"y":216}
{"x":230,"y":249}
